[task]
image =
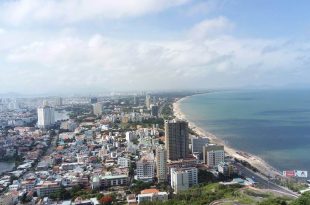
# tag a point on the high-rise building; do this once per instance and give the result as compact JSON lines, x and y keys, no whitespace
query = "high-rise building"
{"x":148,"y":101}
{"x":161,"y":164}
{"x":183,"y":178}
{"x":98,"y":108}
{"x":135,"y":100}
{"x":146,"y":168}
{"x":154,"y":110}
{"x":176,"y":133}
{"x":46,"y":116}
{"x":213,"y":154}
{"x":58,"y":101}
{"x":198,"y":143}
{"x":93,"y":100}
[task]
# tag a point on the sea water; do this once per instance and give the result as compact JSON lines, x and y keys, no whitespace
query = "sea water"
{"x":274,"y":125}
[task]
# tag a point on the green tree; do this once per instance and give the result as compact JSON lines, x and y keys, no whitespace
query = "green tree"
{"x":304,"y":199}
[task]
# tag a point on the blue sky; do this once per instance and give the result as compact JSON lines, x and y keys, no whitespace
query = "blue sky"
{"x":68,"y":46}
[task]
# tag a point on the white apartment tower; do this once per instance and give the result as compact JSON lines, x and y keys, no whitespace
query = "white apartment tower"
{"x":148,"y":101}
{"x":213,"y":154}
{"x":46,"y":116}
{"x":161,"y":164}
{"x":183,"y":178}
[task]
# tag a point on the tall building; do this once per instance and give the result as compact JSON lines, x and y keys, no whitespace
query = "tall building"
{"x":213,"y":154}
{"x":58,"y":101}
{"x":93,"y":100}
{"x":154,"y":110}
{"x":98,"y":108}
{"x":183,"y":178}
{"x":46,"y":116}
{"x":198,"y":143}
{"x":148,"y":101}
{"x":146,"y":168}
{"x":135,"y":100}
{"x":161,"y":164}
{"x":176,"y":133}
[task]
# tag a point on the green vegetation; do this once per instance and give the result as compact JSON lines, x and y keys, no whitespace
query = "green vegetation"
{"x":304,"y":199}
{"x":138,"y":186}
{"x":205,"y":176}
{"x":64,"y":194}
{"x":274,"y":201}
{"x":292,"y":185}
{"x":228,"y":195}
{"x":167,"y":111}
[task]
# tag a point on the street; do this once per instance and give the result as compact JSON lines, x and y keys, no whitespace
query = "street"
{"x":262,"y":181}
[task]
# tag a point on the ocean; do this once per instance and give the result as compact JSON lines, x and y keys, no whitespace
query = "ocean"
{"x":274,"y":125}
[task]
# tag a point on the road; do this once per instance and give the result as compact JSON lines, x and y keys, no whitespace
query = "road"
{"x":263,"y":181}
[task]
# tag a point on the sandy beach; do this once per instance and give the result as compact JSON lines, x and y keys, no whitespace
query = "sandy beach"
{"x":255,"y":161}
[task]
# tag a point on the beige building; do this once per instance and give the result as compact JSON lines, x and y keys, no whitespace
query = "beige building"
{"x":47,"y":188}
{"x":177,"y":141}
{"x":148,"y":101}
{"x":161,"y":164}
{"x":98,"y":108}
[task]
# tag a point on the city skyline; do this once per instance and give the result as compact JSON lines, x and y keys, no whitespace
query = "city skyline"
{"x":66,"y":47}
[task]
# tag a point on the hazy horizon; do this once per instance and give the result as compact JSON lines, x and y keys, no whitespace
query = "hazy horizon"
{"x":80,"y":47}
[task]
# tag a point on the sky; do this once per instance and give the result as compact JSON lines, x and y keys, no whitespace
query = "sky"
{"x":93,"y":46}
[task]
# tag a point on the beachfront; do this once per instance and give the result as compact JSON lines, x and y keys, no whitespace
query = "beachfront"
{"x":255,"y":161}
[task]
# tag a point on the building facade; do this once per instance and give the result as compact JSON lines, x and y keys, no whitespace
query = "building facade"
{"x":161,"y":164}
{"x":98,"y":108}
{"x":183,"y":178}
{"x":145,"y":170}
{"x":198,"y":143}
{"x":177,"y":142}
{"x":148,"y":101}
{"x":213,"y":154}
{"x":46,"y":116}
{"x":123,"y":162}
{"x":154,"y":110}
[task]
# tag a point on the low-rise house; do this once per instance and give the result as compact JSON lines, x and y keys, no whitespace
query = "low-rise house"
{"x":152,"y":195}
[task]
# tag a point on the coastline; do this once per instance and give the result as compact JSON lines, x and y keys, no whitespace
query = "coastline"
{"x":255,"y":161}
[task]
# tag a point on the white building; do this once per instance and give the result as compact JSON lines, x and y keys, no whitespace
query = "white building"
{"x":152,"y":196}
{"x":183,"y":178}
{"x":148,"y":101}
{"x":112,"y":180}
{"x":213,"y":154}
{"x":46,"y":116}
{"x":146,"y":168}
{"x":161,"y":164}
{"x":198,"y":143}
{"x":130,"y":136}
{"x":123,"y":162}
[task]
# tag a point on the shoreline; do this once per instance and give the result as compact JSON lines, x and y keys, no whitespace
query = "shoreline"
{"x":255,"y":161}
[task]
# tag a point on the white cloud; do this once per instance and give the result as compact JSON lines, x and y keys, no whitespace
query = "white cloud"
{"x":69,"y":11}
{"x":211,"y":27}
{"x":2,"y":31}
{"x":70,"y":61}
